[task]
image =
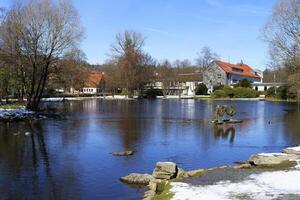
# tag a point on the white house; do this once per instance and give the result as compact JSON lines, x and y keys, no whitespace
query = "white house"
{"x":94,"y":83}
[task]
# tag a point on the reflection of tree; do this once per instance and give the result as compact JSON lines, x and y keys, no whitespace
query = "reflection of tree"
{"x":131,"y":127}
{"x":28,"y":156}
{"x":292,"y":125}
{"x":224,"y":133}
{"x":37,"y":131}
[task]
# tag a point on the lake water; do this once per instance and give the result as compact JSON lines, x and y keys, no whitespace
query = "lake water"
{"x":70,"y":158}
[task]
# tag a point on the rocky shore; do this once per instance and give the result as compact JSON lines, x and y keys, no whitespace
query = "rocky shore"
{"x":159,"y":183}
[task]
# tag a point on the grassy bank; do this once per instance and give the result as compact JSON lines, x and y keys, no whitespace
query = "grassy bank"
{"x":12,"y":106}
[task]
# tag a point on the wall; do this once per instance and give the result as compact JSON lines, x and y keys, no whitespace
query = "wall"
{"x":214,"y":76}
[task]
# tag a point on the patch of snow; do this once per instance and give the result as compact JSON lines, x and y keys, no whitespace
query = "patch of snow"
{"x":264,"y":186}
{"x":272,"y":154}
{"x":298,"y":164}
{"x":294,"y":148}
{"x":15,"y":113}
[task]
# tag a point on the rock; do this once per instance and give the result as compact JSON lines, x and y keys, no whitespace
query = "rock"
{"x":180,"y":173}
{"x":149,"y":195}
{"x":152,"y":185}
{"x":137,"y":179}
{"x":269,"y":159}
{"x":27,"y":133}
{"x":234,"y":121}
{"x":196,"y":172}
{"x":165,"y":170}
{"x":123,"y":153}
{"x":292,"y":150}
{"x":243,"y":166}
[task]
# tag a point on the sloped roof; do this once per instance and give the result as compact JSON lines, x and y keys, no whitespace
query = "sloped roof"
{"x":230,"y":68}
{"x":94,"y":79}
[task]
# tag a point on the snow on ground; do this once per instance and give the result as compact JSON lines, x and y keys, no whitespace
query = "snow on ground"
{"x":263,"y":186}
{"x":14,"y":113}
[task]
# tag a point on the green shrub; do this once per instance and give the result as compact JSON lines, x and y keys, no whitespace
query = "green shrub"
{"x":229,"y":91}
{"x":201,"y":89}
{"x":218,"y":87}
{"x":245,"y":83}
{"x":219,"y":94}
{"x":124,"y":92}
{"x":282,"y":92}
{"x":270,"y":92}
{"x":152,"y":93}
{"x":239,"y":92}
{"x":242,"y":92}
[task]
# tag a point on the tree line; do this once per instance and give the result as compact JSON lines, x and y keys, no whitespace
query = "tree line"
{"x":39,"y":52}
{"x":282,"y":33}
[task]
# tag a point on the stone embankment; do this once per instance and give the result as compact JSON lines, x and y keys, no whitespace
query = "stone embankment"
{"x":158,"y":183}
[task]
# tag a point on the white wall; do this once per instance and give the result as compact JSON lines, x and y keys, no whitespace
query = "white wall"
{"x":89,"y":90}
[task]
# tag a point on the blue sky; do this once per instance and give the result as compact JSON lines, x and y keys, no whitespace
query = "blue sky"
{"x":178,"y":29}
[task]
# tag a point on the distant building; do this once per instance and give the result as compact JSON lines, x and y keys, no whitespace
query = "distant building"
{"x":184,"y":84}
{"x":221,"y":73}
{"x":94,"y":84}
{"x":263,"y":87}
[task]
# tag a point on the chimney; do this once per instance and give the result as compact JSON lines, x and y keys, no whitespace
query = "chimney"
{"x":241,"y":63}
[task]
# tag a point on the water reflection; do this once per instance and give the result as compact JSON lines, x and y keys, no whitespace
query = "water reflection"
{"x":223,"y":132}
{"x":70,"y":159}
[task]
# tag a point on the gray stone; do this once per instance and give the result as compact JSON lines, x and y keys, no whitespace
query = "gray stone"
{"x":165,"y":170}
{"x":265,"y":159}
{"x":180,"y":173}
{"x":243,"y":166}
{"x":292,"y":150}
{"x":196,"y":172}
{"x":137,"y":179}
{"x":123,"y":153}
{"x":148,"y":195}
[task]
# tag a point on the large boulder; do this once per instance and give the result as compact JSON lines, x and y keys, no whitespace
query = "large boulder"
{"x":273,"y":159}
{"x":137,"y":179}
{"x":165,"y":170}
{"x":292,"y":150}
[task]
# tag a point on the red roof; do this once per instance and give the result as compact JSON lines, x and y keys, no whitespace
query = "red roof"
{"x":238,"y":69}
{"x":94,"y":79}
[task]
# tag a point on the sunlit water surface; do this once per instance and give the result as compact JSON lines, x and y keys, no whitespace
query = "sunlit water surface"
{"x":70,"y":158}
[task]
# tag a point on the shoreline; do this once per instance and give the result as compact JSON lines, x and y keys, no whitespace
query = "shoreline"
{"x":165,"y":181}
{"x":169,"y":97}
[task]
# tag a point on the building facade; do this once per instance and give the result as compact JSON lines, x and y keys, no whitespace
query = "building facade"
{"x":220,"y":73}
{"x":94,"y":84}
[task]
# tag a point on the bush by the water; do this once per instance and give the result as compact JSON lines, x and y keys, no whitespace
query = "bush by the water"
{"x":239,"y":92}
{"x":281,"y":92}
{"x":152,"y":93}
{"x":201,"y":89}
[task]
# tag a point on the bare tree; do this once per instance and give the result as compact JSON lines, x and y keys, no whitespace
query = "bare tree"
{"x":130,"y":58}
{"x":35,"y":35}
{"x":71,"y":72}
{"x":282,"y":32}
{"x":205,"y":57}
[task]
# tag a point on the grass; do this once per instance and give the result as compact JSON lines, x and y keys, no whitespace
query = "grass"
{"x":12,"y":106}
{"x":164,"y":192}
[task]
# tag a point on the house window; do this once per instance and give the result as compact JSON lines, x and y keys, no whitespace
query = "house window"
{"x":256,"y":88}
{"x":266,"y":88}
{"x":237,"y":70}
{"x":219,"y":75}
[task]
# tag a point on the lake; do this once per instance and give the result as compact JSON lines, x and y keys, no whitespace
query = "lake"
{"x":70,"y":158}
